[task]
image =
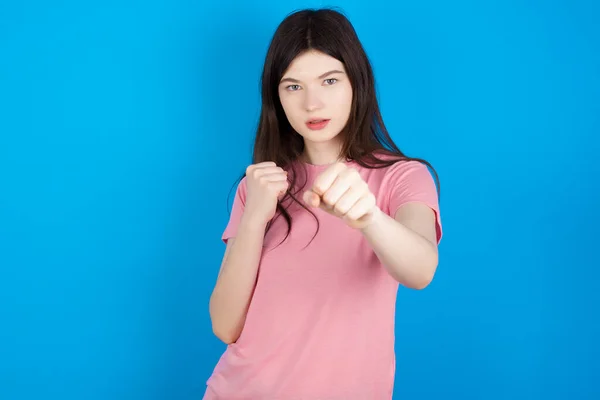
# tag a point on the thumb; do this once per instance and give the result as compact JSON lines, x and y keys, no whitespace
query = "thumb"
{"x":311,"y":198}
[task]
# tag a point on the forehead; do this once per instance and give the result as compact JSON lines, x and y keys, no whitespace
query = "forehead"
{"x":311,"y":64}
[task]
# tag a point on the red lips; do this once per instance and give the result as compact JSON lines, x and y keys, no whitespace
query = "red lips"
{"x":317,"y":123}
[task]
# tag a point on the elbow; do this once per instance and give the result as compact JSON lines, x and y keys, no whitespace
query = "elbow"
{"x":223,"y":329}
{"x":422,"y":283}
{"x":426,"y":276}
{"x":226,"y":336}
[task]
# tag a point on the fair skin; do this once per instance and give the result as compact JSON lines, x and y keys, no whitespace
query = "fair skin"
{"x":405,"y":244}
{"x":315,"y":86}
{"x":231,"y":296}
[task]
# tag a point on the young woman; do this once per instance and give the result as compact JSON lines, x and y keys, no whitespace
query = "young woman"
{"x":326,"y":223}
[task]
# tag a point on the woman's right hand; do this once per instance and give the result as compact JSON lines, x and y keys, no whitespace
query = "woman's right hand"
{"x":266,"y":184}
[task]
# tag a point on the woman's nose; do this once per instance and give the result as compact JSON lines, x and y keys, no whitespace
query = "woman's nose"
{"x":312,"y":100}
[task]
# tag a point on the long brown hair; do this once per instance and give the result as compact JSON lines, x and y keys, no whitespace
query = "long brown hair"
{"x":364,"y":136}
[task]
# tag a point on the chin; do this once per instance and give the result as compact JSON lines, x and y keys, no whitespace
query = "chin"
{"x":321,"y":136}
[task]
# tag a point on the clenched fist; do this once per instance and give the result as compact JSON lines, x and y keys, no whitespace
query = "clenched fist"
{"x":342,"y":192}
{"x":266,"y":183}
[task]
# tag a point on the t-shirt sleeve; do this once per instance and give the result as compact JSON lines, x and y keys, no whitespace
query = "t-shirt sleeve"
{"x":413,"y":182}
{"x":237,"y":210}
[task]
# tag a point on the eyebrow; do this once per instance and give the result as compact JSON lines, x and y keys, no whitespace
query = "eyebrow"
{"x":335,"y":71}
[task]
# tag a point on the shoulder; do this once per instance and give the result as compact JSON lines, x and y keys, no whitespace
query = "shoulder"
{"x":399,"y":168}
{"x":407,"y":175}
{"x":241,"y":188}
{"x":404,"y":169}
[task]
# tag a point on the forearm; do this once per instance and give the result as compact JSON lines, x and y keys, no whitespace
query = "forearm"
{"x":408,"y":257}
{"x":234,"y":288}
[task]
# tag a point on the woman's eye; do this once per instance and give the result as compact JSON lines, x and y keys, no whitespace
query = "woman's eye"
{"x":330,"y":81}
{"x":293,"y":87}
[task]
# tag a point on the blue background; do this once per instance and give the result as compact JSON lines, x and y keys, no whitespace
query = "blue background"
{"x":125,"y":124}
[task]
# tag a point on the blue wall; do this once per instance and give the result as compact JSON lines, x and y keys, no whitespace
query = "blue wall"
{"x":123,"y":126}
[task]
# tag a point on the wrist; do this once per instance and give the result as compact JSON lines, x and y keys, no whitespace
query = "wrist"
{"x":373,"y":221}
{"x":250,"y":222}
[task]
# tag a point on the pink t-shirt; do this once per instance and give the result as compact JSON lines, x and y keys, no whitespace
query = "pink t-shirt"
{"x":321,"y":321}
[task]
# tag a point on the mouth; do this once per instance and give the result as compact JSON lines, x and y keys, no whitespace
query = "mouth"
{"x":317,"y":123}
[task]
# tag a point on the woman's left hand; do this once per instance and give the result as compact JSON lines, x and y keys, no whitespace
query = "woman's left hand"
{"x":342,"y":192}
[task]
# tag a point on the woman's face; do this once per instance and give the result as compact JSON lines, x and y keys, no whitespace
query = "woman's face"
{"x":316,"y":96}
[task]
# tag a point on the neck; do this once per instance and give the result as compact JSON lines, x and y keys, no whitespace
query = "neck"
{"x":321,"y":153}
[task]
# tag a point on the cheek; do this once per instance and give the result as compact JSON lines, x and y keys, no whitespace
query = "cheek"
{"x":343,"y":100}
{"x":346,"y":96}
{"x":291,"y":108}
{"x":286,"y":104}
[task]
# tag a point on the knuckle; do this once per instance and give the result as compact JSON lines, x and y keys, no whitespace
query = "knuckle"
{"x":349,"y":171}
{"x":319,"y":188}
{"x":257,"y":174}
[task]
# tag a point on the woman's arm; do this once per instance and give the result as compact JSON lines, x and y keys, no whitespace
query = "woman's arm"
{"x":236,"y":281}
{"x":406,"y":244}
